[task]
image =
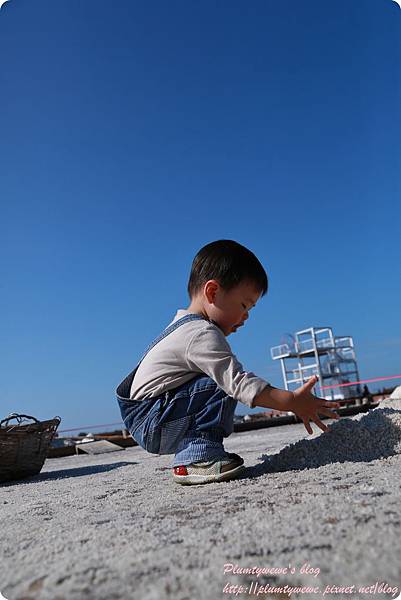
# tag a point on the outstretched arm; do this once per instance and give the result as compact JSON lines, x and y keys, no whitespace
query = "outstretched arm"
{"x":301,"y":402}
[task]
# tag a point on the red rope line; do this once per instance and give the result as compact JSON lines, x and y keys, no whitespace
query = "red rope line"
{"x":85,"y":427}
{"x":325,"y":387}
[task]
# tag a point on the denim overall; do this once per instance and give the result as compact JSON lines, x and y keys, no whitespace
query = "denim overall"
{"x":189,"y":421}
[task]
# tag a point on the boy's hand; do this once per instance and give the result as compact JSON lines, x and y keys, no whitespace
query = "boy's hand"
{"x":307,"y":406}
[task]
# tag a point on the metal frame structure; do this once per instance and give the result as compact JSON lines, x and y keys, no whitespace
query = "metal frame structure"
{"x":317,"y":351}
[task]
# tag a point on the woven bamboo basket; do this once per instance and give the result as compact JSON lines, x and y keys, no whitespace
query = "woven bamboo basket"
{"x":23,"y":448}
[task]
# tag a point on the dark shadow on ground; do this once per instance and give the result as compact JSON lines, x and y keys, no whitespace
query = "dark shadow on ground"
{"x":63,"y":473}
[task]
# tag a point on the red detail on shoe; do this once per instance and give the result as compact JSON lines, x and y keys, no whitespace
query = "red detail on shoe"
{"x":180,"y":470}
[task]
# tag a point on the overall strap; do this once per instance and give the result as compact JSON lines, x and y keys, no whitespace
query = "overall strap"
{"x":124,"y":389}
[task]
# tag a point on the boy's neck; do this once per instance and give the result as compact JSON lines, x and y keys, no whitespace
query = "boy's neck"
{"x":194,"y":308}
{"x":197,"y":307}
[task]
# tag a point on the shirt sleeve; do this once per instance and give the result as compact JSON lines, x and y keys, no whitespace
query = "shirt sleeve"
{"x":209,"y":352}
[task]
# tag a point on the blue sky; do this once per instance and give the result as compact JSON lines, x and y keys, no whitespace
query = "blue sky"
{"x":133,"y":133}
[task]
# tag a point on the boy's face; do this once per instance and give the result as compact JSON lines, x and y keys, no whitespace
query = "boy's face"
{"x":230,"y":309}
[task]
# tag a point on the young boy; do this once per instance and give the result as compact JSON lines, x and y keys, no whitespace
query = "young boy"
{"x":181,"y":397}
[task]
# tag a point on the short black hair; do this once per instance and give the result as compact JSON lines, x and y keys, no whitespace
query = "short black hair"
{"x":229,"y":263}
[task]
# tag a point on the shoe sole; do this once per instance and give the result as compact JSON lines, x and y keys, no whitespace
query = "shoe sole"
{"x":199,"y":479}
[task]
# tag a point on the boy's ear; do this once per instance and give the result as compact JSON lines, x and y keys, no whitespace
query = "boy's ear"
{"x":210,"y":290}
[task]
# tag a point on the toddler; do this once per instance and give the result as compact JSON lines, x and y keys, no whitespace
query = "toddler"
{"x":181,"y":397}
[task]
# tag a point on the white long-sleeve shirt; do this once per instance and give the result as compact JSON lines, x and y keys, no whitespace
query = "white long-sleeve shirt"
{"x":198,"y":346}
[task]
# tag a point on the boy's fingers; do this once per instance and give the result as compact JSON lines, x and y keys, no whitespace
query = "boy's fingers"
{"x":329,"y":403}
{"x":307,"y":425}
{"x":310,"y":383}
{"x":319,"y":423}
{"x":329,"y":413}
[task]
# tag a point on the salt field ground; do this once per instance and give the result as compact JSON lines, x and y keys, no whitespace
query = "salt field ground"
{"x":320,"y":513}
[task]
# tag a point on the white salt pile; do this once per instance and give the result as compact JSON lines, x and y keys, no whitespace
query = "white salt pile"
{"x":362,"y":438}
{"x":394,"y":400}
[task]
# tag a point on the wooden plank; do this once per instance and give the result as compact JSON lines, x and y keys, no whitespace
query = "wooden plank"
{"x":71,"y":450}
{"x":97,"y":447}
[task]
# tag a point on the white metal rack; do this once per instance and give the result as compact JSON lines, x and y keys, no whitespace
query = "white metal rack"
{"x":317,"y":351}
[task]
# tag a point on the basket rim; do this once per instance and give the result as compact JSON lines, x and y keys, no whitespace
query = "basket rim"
{"x":38,"y":427}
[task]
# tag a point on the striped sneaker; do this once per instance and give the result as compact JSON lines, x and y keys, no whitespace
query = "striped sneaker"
{"x":208,"y":472}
